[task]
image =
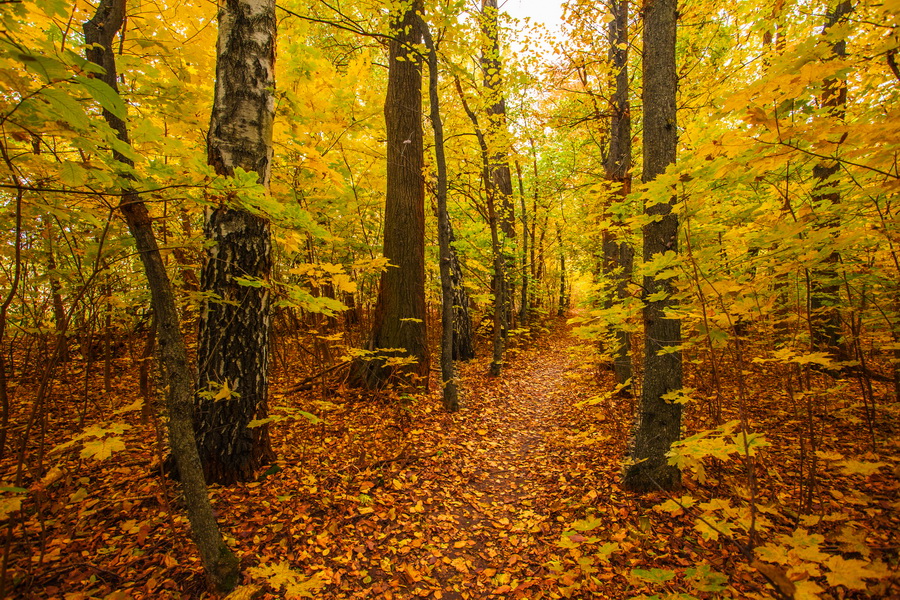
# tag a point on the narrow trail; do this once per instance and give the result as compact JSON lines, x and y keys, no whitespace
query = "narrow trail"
{"x":497,"y":501}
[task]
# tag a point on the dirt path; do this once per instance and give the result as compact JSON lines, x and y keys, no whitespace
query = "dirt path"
{"x":495,"y":503}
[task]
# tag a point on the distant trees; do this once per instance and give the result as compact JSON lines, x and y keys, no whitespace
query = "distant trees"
{"x":234,"y":323}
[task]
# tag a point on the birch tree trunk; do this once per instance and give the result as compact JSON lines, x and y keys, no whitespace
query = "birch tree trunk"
{"x":220,"y":564}
{"x":234,"y":322}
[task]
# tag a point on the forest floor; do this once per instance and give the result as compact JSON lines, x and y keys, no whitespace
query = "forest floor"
{"x":515,"y":496}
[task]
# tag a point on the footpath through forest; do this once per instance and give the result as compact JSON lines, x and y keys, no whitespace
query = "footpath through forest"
{"x":515,"y":496}
{"x":470,"y":505}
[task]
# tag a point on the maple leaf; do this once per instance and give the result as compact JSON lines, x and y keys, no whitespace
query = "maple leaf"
{"x":851,"y":573}
{"x":856,"y":467}
{"x":281,"y":576}
{"x":103,"y":448}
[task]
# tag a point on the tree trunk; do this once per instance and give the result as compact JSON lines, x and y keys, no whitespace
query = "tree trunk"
{"x":234,"y":323}
{"x":399,"y":320}
{"x":659,"y":421}
{"x":523,"y":298}
{"x":220,"y":564}
{"x":463,"y":341}
{"x":825,"y":287}
{"x":448,"y":375}
{"x":618,"y":255}
{"x":496,"y":243}
{"x":563,"y":306}
{"x":496,"y":134}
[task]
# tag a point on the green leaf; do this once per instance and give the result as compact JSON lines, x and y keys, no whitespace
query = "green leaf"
{"x":653,"y":575}
{"x":72,"y":174}
{"x":310,"y":417}
{"x":705,"y":579}
{"x":253,"y":282}
{"x":65,"y":108}
{"x":107,"y":97}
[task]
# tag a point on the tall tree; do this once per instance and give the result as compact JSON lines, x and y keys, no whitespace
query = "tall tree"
{"x":824,"y":293}
{"x":448,"y":374}
{"x":659,"y":420}
{"x":220,"y":563}
{"x":496,"y":134}
{"x":234,"y":324}
{"x":399,"y":321}
{"x":496,"y":237}
{"x":618,"y":255}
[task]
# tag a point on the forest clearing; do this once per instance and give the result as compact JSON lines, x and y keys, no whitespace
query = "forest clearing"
{"x":416,"y":299}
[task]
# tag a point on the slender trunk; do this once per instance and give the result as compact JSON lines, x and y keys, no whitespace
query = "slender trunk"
{"x":4,"y":311}
{"x":448,"y":375}
{"x":659,"y":421}
{"x":563,"y":306}
{"x":107,"y":338}
{"x":235,"y":322}
{"x":496,"y":245}
{"x":220,"y":564}
{"x":59,"y":309}
{"x":523,"y":302}
{"x":618,"y":255}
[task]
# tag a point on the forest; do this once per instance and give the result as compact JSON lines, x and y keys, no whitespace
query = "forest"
{"x":417,"y":299}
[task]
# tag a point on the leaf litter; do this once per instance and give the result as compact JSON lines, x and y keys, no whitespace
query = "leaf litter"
{"x":515,"y":496}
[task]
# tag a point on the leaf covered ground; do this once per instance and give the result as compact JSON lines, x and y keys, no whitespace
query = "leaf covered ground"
{"x":515,"y":496}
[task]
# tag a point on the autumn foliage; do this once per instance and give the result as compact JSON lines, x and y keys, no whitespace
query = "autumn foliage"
{"x":781,"y":275}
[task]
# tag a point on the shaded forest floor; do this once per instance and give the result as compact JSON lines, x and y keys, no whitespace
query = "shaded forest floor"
{"x":515,"y":496}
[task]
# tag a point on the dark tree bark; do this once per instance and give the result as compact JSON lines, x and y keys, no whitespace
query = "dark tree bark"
{"x":448,"y":374}
{"x":399,"y":321}
{"x":463,"y":340}
{"x":563,"y":306}
{"x":234,"y":324}
{"x":618,"y":255}
{"x":220,"y":564}
{"x":659,"y":421}
{"x":523,"y":216}
{"x":500,"y":177}
{"x":825,"y":288}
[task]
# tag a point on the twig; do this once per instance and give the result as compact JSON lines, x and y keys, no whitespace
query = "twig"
{"x":304,"y":385}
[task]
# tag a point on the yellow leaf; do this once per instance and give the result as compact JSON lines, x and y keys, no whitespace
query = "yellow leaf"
{"x":245,"y":592}
{"x":459,"y":564}
{"x":224,"y":392}
{"x":856,"y":467}
{"x":850,"y":573}
{"x":9,"y":506}
{"x":103,"y":448}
